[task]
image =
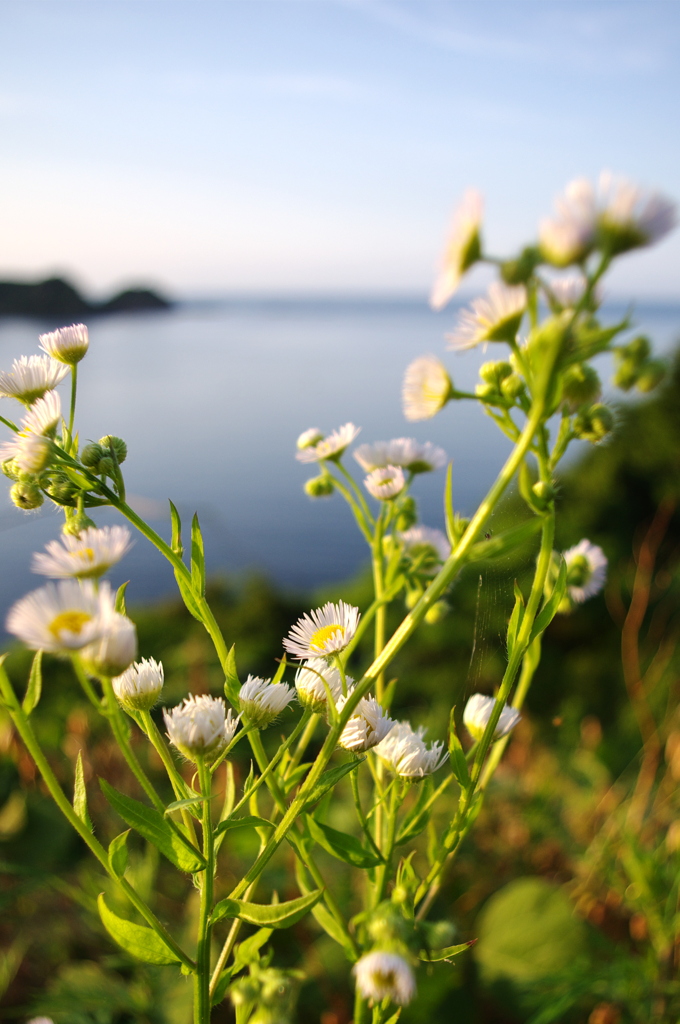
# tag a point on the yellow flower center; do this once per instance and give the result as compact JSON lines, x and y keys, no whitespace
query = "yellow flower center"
{"x":71,"y":622}
{"x":87,"y":554}
{"x":324,"y":634}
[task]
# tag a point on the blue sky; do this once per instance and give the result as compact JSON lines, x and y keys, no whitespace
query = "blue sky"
{"x":319,"y":145}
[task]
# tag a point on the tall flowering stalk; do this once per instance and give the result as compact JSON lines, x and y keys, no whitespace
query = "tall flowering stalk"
{"x":550,"y":328}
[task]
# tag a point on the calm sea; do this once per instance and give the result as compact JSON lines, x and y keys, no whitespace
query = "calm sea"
{"x":211,"y":397}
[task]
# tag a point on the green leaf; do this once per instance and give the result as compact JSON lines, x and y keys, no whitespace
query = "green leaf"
{"x":395,"y":1017}
{"x":248,"y":951}
{"x":81,"y":482}
{"x":120,"y":598}
{"x":431,"y":956}
{"x":136,"y":939}
{"x":332,"y":928}
{"x":341,"y":845}
{"x":330,"y":778}
{"x":457,"y":757}
{"x":247,"y":821}
{"x":296,"y":776}
{"x":34,"y":688}
{"x":449,"y":514}
{"x":80,"y":793}
{"x":515,"y":619}
{"x":273,"y":915}
{"x":156,"y":829}
{"x":549,"y":609}
{"x":506,"y":541}
{"x":188,"y":596}
{"x":220,"y":990}
{"x":197,"y":557}
{"x":179,"y":805}
{"x":176,"y":539}
{"x":280,"y":670}
{"x":232,"y":683}
{"x":417,"y":819}
{"x":118,"y":854}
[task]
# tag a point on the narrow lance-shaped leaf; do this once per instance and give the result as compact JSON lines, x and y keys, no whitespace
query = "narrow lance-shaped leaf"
{"x":515,"y":619}
{"x":296,"y":776}
{"x":156,"y":829}
{"x":431,"y":956}
{"x":330,"y":778}
{"x":136,"y":939}
{"x":176,"y":537}
{"x":232,"y":683}
{"x":180,"y":805}
{"x":118,"y":854}
{"x":549,"y":609}
{"x":197,"y":557}
{"x":187,"y":596}
{"x":457,"y":757}
{"x":120,"y":598}
{"x":280,"y":670}
{"x":273,"y":915}
{"x":80,"y":793}
{"x":248,"y":821}
{"x":34,"y":688}
{"x":341,"y":845}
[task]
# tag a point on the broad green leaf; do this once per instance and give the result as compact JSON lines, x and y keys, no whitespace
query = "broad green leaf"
{"x":136,"y":939}
{"x":341,"y":845}
{"x":197,"y":557}
{"x":80,"y":793}
{"x":449,"y":514}
{"x":34,"y":688}
{"x":332,"y":928}
{"x":156,"y":829}
{"x":232,"y":683}
{"x":248,"y":821}
{"x":505,"y":542}
{"x":330,"y":778}
{"x":118,"y":854}
{"x":431,"y":956}
{"x":120,"y":598}
{"x":457,"y":757}
{"x":273,"y":915}
{"x":549,"y":609}
{"x":296,"y":776}
{"x":515,"y":619}
{"x":176,"y":540}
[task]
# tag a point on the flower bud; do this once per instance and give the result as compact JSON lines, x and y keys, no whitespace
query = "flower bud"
{"x":477,"y":714}
{"x":518,"y":271}
{"x":383,"y":975}
{"x":139,"y":687}
{"x":91,"y":454}
{"x":262,"y":701}
{"x":412,"y":598}
{"x":626,"y":375}
{"x":319,"y":487}
{"x":387,"y":925}
{"x":436,"y":613}
{"x":67,"y":345}
{"x":60,"y":489}
{"x":10,"y":469}
{"x":512,"y":387}
{"x":309,"y":438}
{"x":495,"y":372}
{"x":201,"y":726}
{"x":408,"y":514}
{"x":580,"y":386}
{"x":487,"y":393}
{"x":26,"y":495}
{"x":106,"y":466}
{"x":544,"y":492}
{"x":652,"y":373}
{"x":593,"y":424}
{"x":75,"y":525}
{"x":117,"y":444}
{"x":115,"y":650}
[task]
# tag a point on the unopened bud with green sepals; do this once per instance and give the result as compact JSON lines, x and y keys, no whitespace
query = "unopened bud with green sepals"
{"x":593,"y":424}
{"x":26,"y":495}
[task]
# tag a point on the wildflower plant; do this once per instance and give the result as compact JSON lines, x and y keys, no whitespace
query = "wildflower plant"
{"x":543,"y":393}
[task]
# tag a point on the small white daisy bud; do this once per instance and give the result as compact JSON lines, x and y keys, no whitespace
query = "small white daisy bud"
{"x":262,"y":701}
{"x":88,"y":555}
{"x":586,"y":570}
{"x":309,"y":438}
{"x":426,"y":389}
{"x":478,"y":711}
{"x":319,"y":487}
{"x":309,"y":683}
{"x":115,"y":649}
{"x":30,"y":378}
{"x":381,"y":975}
{"x":201,"y":727}
{"x":61,"y":617}
{"x":368,"y":725}
{"x":386,"y":483}
{"x":405,"y":752}
{"x":67,"y":345}
{"x":139,"y":687}
{"x":330,"y":447}
{"x":325,"y":631}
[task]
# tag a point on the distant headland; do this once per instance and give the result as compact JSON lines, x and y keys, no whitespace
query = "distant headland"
{"x":56,"y":297}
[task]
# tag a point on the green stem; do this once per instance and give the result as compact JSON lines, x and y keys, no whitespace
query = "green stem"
{"x":202,"y":976}
{"x":360,"y":1009}
{"x":179,"y":786}
{"x":362,"y":523}
{"x":72,"y":413}
{"x":30,"y":741}
{"x":381,"y":611}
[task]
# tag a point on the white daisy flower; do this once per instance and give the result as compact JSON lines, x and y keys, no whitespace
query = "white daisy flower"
{"x":426,"y":389}
{"x":462,"y":250}
{"x":331,"y":447}
{"x":309,"y":682}
{"x":493,"y":318}
{"x":478,"y":711}
{"x":68,"y":344}
{"x":405,"y":752}
{"x":629,"y":216}
{"x":201,"y":726}
{"x":61,"y":617}
{"x":568,"y":291}
{"x":381,"y":975}
{"x":569,"y":237}
{"x":427,"y":545}
{"x":139,"y":687}
{"x":309,"y":438}
{"x":385,"y":483}
{"x":325,"y":631}
{"x":368,"y":725}
{"x":90,"y":554}
{"x":116,"y":647}
{"x":586,"y":570}
{"x":40,"y":1020}
{"x":413,"y":455}
{"x":43,"y":416}
{"x":263,"y":701}
{"x":31,"y":377}
{"x":31,"y":452}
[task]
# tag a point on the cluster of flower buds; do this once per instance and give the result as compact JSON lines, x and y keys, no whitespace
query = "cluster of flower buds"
{"x":267,"y":994}
{"x":635,"y":367}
